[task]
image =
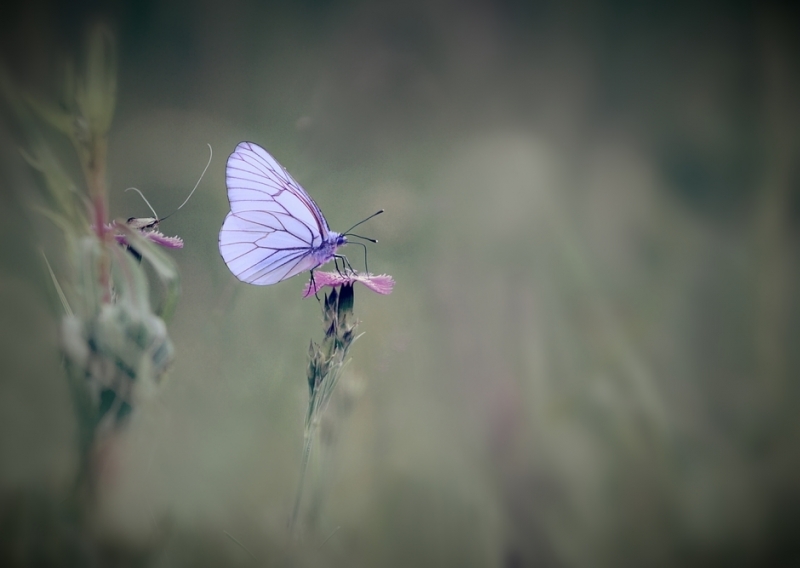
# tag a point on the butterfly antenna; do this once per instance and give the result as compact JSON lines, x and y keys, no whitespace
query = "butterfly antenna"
{"x":210,"y":155}
{"x":155,"y":215}
{"x":347,"y":232}
{"x":360,"y":237}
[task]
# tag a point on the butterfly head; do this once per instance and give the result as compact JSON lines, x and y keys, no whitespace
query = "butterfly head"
{"x":327,"y":249}
{"x":333,"y":241}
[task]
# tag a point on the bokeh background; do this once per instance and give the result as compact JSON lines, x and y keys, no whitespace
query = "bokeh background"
{"x":590,"y":357}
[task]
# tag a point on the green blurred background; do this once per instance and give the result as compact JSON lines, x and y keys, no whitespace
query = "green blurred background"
{"x":590,"y":357}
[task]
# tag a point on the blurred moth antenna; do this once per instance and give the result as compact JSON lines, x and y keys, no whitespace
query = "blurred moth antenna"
{"x":143,"y":223}
{"x":153,"y":211}
{"x":210,"y":155}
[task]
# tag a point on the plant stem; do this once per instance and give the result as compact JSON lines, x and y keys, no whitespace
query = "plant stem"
{"x":309,"y":439}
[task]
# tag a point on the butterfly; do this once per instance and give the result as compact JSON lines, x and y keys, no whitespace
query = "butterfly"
{"x":274,"y":229}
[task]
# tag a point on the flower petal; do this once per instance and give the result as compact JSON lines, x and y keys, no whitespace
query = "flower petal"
{"x":163,"y":240}
{"x":381,"y":283}
{"x":151,"y":235}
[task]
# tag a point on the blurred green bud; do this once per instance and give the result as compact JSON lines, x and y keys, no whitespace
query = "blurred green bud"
{"x":121,"y":354}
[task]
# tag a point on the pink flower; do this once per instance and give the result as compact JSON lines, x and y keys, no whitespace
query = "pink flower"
{"x":155,"y":237}
{"x":148,"y":233}
{"x":381,"y":283}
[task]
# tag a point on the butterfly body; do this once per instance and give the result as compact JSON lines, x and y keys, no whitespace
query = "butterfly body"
{"x":274,"y":230}
{"x":326,"y":251}
{"x":143,"y":223}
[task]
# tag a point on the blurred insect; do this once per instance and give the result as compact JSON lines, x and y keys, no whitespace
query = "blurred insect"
{"x":275,"y":230}
{"x":148,"y":226}
{"x":145,"y":223}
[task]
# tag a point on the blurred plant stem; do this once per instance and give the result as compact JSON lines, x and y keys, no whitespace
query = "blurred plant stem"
{"x":325,"y":362}
{"x":115,"y":347}
{"x":772,"y":214}
{"x":95,"y":99}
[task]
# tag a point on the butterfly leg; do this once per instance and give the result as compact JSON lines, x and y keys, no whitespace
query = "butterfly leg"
{"x":345,"y":264}
{"x":314,"y":285}
{"x":366,"y":266}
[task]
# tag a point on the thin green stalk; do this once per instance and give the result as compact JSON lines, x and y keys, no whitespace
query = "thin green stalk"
{"x":324,"y":368}
{"x":309,"y":438}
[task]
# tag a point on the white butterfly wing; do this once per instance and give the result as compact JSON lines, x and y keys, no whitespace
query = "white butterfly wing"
{"x":274,"y":226}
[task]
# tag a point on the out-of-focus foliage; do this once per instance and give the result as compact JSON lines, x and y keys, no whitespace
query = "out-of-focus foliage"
{"x":114,"y":347}
{"x":588,"y":359}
